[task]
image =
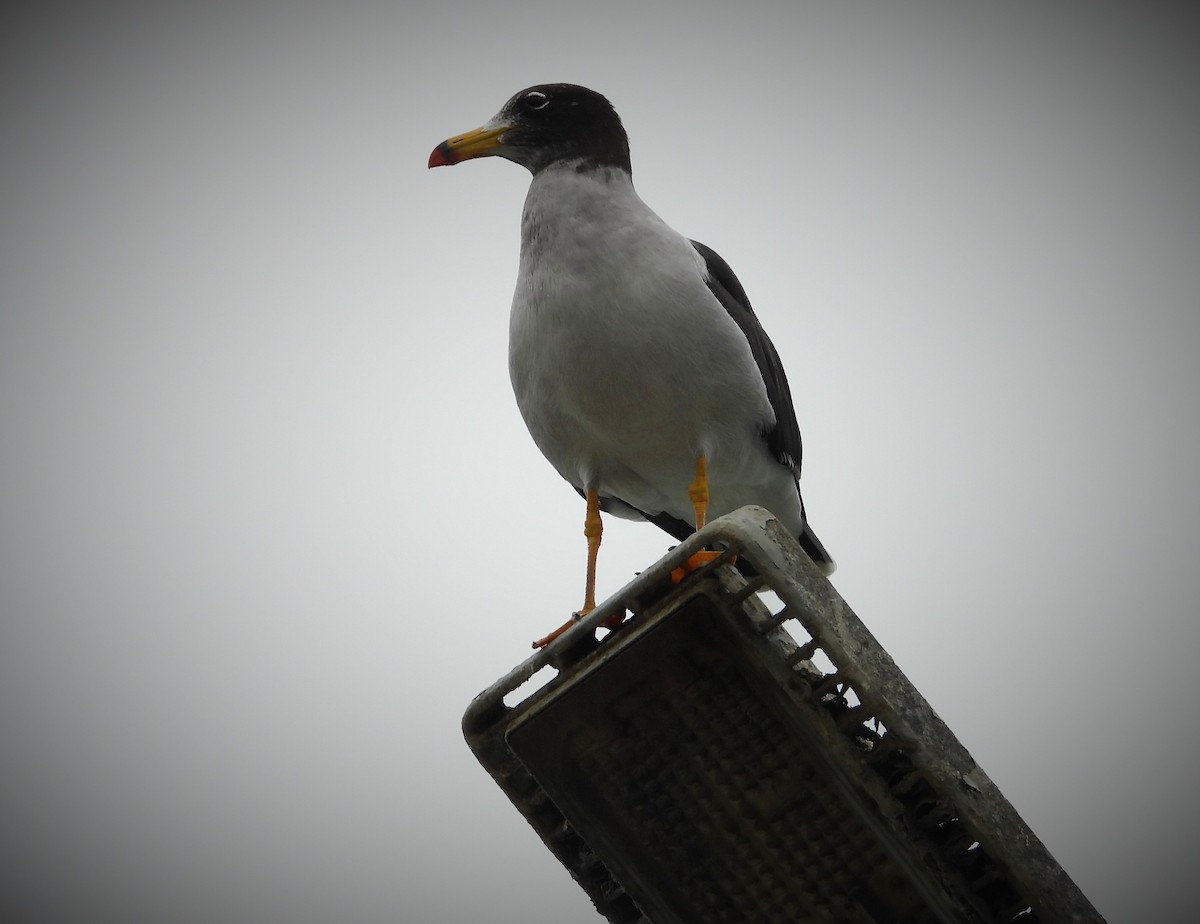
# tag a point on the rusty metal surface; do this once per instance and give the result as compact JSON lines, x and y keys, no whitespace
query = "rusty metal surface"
{"x":696,"y":766}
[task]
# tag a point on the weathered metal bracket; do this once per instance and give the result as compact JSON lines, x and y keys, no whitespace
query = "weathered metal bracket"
{"x":718,"y":759}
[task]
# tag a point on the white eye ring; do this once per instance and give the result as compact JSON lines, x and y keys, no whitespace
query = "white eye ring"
{"x":536,"y":100}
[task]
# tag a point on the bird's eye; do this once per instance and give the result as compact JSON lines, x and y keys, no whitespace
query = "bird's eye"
{"x":536,"y":100}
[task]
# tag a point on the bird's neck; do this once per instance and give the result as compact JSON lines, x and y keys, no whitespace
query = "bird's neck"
{"x":567,"y":181}
{"x":565,"y":201}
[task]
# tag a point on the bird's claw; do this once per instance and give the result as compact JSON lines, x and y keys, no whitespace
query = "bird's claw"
{"x":697,"y":560}
{"x":612,"y":622}
{"x":547,"y":639}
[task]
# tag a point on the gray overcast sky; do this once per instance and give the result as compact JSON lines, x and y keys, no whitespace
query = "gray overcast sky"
{"x":269,"y":517}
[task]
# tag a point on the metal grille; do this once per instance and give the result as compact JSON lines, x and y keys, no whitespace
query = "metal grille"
{"x":673,"y":762}
{"x":695,"y":766}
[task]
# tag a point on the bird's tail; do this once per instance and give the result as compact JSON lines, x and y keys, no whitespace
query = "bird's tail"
{"x":816,"y":551}
{"x":681,"y":530}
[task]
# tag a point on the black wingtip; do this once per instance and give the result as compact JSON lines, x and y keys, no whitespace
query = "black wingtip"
{"x":816,"y":551}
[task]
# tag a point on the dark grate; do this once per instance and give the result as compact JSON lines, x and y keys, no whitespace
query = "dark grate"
{"x":671,"y":760}
{"x":697,"y":766}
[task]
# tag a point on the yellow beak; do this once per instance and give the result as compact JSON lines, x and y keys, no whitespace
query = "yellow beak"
{"x":478,"y":143}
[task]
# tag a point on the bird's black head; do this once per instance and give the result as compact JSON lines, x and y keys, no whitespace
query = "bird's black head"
{"x":544,"y":125}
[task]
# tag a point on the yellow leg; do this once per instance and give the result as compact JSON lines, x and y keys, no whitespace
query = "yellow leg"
{"x":698,"y":492}
{"x":698,"y":495}
{"x":593,"y":529}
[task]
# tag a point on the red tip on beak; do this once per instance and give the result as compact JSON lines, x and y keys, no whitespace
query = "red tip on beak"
{"x":481,"y":142}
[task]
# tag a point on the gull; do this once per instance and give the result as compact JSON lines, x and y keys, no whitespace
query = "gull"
{"x":638,"y":365}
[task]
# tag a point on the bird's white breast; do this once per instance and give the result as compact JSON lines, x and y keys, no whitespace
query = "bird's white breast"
{"x":624,"y":364}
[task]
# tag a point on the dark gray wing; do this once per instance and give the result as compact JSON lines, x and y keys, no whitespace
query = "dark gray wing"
{"x":783,"y":439}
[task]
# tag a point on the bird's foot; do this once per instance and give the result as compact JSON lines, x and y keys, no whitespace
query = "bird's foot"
{"x":547,"y":639}
{"x":698,"y":560}
{"x":612,"y":622}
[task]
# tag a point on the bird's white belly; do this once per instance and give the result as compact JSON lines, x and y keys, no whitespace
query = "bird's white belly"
{"x":623,"y":391}
{"x":625,"y":366}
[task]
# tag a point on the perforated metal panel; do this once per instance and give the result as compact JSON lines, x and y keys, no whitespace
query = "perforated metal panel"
{"x":697,"y":766}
